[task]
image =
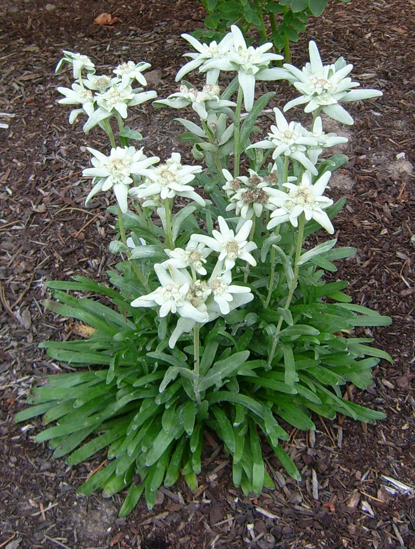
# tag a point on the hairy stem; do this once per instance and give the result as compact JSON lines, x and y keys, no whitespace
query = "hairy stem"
{"x":236,"y":146}
{"x":293,"y":286}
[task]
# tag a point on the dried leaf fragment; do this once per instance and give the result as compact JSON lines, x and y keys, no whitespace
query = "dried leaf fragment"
{"x":105,"y":19}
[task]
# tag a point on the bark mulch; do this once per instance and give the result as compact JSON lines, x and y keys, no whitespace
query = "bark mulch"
{"x":47,"y":233}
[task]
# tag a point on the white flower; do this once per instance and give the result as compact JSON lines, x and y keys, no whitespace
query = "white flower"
{"x":213,"y":51}
{"x":224,"y":293}
{"x":230,"y":246}
{"x":78,"y":63}
{"x":290,"y":140}
{"x":78,"y":95}
{"x":252,"y":197}
{"x":177,"y":294}
{"x":325,"y":140}
{"x":130,"y":71}
{"x":250,"y":63}
{"x":169,"y":180}
{"x":303,"y":198}
{"x":193,"y":256}
{"x":115,"y":100}
{"x":323,"y":87}
{"x":201,"y":101}
{"x":99,"y":83}
{"x":115,"y":171}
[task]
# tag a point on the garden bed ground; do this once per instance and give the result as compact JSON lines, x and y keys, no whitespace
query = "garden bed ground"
{"x":46,"y":233}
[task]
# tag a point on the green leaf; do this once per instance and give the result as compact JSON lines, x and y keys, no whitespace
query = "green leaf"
{"x":320,"y":249}
{"x":250,"y":120}
{"x":258,"y":469}
{"x":223,"y":369}
{"x":299,"y":5}
{"x":161,"y":443}
{"x":289,"y":362}
{"x":97,"y":480}
{"x":155,"y":253}
{"x":189,"y":416}
{"x":128,"y":133}
{"x":180,"y":217}
{"x":134,"y":494}
{"x":173,"y":469}
{"x":287,"y":462}
{"x":34,"y":411}
{"x":225,"y":428}
{"x":317,"y":6}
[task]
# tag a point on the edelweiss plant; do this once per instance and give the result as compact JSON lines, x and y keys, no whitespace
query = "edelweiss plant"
{"x":220,"y":316}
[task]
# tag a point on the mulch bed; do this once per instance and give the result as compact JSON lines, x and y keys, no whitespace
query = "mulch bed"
{"x":47,"y":233}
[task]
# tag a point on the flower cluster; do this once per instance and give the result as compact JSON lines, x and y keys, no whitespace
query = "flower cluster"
{"x":199,"y":300}
{"x":101,"y":96}
{"x":232,"y":54}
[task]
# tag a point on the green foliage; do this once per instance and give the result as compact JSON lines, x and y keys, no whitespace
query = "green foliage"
{"x":278,"y":21}
{"x":142,"y":402}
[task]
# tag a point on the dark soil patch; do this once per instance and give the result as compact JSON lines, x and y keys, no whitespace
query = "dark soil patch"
{"x":46,"y":233}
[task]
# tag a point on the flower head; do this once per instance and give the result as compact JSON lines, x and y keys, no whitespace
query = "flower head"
{"x":325,"y":140}
{"x":78,"y":95}
{"x":130,"y":71}
{"x":250,"y":63}
{"x":193,"y":256}
{"x":169,"y":180}
{"x":302,"y":198}
{"x":224,"y":292}
{"x":213,"y":51}
{"x":229,"y":245}
{"x":201,"y":101}
{"x":249,"y":196}
{"x":289,"y":139}
{"x":116,"y":171}
{"x":324,"y":87}
{"x":177,"y":294}
{"x":78,"y":62}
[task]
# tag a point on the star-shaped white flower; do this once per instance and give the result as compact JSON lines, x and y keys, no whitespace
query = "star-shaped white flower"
{"x":194,"y":256}
{"x":325,"y":140}
{"x":289,"y":139}
{"x":224,"y":292}
{"x":116,"y":100}
{"x":177,"y":294}
{"x":78,"y":95}
{"x":131,"y":71}
{"x":213,"y":51}
{"x":324,"y":87}
{"x":78,"y":62}
{"x":169,"y":180}
{"x":229,"y":246}
{"x":202,"y":101}
{"x":116,"y":171}
{"x":302,"y":198}
{"x":250,"y":63}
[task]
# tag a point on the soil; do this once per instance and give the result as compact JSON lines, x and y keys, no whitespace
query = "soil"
{"x":47,"y":233}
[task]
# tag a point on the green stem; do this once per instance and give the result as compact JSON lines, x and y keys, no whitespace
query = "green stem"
{"x":210,"y":135}
{"x":287,"y":53}
{"x":274,"y":30}
{"x":271,"y":278}
{"x":236,"y":135}
{"x":300,"y":236}
{"x":121,"y":227}
{"x":262,"y":29}
{"x":169,"y":242}
{"x":286,"y":159}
